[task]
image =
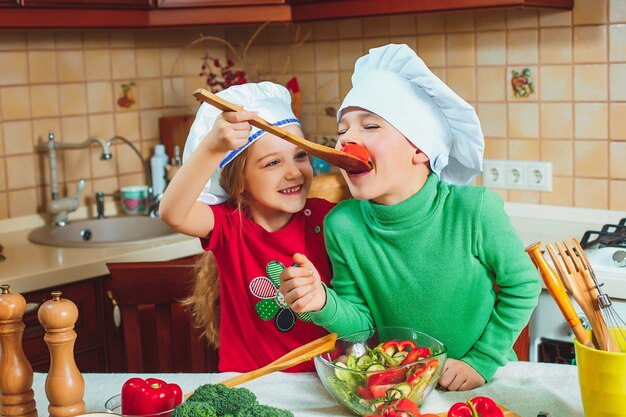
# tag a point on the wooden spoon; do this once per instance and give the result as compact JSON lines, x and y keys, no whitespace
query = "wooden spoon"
{"x":557,"y":291}
{"x":295,"y":357}
{"x":341,"y":159}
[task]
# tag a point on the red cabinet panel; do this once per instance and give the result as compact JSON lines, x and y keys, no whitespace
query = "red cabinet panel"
{"x":215,"y":3}
{"x":85,"y":4}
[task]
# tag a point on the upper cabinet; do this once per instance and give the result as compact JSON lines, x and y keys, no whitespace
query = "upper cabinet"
{"x":87,"y":4}
{"x":174,"y":13}
{"x":213,"y":3}
{"x":303,"y":10}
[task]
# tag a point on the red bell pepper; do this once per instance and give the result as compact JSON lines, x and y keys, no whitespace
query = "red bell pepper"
{"x":415,"y":355}
{"x":392,"y":346}
{"x":149,"y":397}
{"x":476,"y":407}
{"x":424,"y":373}
{"x":390,"y":376}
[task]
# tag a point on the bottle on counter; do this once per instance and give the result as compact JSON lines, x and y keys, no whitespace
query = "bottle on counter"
{"x":175,"y":163}
{"x":158,"y":163}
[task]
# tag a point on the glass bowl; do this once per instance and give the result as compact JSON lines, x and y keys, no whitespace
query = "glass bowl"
{"x":362,"y":378}
{"x":114,"y":406}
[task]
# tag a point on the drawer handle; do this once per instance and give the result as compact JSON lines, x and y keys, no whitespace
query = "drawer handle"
{"x":117,"y":313}
{"x":31,"y":307}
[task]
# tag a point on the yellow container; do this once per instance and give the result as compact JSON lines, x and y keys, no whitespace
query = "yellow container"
{"x":602,"y":379}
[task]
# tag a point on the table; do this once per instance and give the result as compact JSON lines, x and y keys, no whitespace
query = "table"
{"x":524,"y":387}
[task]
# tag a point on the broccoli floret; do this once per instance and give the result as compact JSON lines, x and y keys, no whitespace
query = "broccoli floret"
{"x":194,"y":409}
{"x":224,"y":400}
{"x":259,"y":410}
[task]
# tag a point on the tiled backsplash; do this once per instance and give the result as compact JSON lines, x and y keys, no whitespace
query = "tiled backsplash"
{"x":69,"y":81}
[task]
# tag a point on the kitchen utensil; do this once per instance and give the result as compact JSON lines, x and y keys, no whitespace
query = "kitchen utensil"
{"x":65,"y":386}
{"x":16,"y":373}
{"x":616,"y":327}
{"x":557,"y":291}
{"x":575,"y":287}
{"x":601,"y":380}
{"x":293,"y":358}
{"x":571,"y":269}
{"x":341,"y":159}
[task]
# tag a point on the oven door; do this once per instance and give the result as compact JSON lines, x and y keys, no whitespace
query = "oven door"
{"x":551,"y":339}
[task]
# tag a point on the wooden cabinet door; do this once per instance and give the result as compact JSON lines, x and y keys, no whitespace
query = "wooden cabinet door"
{"x":305,"y":10}
{"x":112,"y":4}
{"x":9,"y":3}
{"x":215,"y":3}
{"x":89,"y":346}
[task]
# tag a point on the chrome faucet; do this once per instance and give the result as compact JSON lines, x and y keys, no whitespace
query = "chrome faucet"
{"x":61,"y":207}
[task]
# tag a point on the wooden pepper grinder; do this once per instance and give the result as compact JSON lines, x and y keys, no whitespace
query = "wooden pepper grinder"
{"x":64,"y":384}
{"x":16,"y":375}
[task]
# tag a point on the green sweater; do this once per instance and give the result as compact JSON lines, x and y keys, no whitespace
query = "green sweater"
{"x":430,"y":263}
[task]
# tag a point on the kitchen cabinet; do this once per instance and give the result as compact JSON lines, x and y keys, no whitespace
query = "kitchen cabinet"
{"x":89,"y":350}
{"x":118,"y":4}
{"x":304,"y":10}
{"x":176,"y":13}
{"x":213,"y":3}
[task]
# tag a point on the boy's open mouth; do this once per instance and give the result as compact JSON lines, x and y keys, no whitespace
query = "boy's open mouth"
{"x":357,"y":174}
{"x":291,"y":190}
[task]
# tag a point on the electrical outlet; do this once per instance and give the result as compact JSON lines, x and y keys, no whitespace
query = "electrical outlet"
{"x":494,"y":173}
{"x":539,"y":176}
{"x":516,"y":175}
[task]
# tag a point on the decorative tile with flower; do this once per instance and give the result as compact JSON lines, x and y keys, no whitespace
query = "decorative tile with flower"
{"x":522,"y":83}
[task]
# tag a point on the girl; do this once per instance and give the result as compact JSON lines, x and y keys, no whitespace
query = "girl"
{"x":252,"y":215}
{"x":413,"y":249}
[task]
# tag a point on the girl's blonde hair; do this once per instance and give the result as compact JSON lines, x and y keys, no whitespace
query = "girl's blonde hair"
{"x":204,"y":301}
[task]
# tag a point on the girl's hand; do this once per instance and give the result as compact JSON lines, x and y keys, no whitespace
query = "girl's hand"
{"x":459,"y":376}
{"x":302,"y":286}
{"x":230,"y":131}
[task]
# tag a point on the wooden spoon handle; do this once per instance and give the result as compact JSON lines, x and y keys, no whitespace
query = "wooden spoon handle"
{"x":556,"y":289}
{"x":293,"y":358}
{"x":341,"y":159}
{"x":301,"y":354}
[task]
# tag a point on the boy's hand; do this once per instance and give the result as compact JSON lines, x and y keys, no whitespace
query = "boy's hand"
{"x":230,"y":131}
{"x":459,"y":376}
{"x":302,"y":286}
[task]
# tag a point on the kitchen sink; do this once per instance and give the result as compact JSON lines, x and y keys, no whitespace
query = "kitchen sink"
{"x":111,"y":231}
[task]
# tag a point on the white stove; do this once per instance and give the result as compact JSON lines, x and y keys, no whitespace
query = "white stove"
{"x":550,"y":336}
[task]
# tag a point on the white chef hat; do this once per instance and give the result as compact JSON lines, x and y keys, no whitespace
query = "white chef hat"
{"x":270,"y":101}
{"x":393,"y":82}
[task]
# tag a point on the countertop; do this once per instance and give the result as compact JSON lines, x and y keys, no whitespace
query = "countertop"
{"x":523,"y":387}
{"x":30,"y":266}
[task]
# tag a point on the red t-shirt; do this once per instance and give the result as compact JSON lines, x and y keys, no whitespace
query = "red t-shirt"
{"x":256,"y":326}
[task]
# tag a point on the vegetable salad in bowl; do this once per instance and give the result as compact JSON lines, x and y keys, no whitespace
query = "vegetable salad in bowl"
{"x":372,"y":367}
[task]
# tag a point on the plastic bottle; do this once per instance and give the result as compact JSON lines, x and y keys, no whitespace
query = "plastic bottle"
{"x":157,"y":164}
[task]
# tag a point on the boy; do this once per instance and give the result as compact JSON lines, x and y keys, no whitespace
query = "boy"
{"x":412,"y":249}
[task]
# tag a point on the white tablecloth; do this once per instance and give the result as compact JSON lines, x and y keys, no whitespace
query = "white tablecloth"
{"x":523,"y":387}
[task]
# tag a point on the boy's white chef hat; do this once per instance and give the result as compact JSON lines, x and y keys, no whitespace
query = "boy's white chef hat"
{"x":270,"y":101}
{"x":393,"y":82}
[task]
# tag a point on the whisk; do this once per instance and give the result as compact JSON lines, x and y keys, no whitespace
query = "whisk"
{"x":616,"y":326}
